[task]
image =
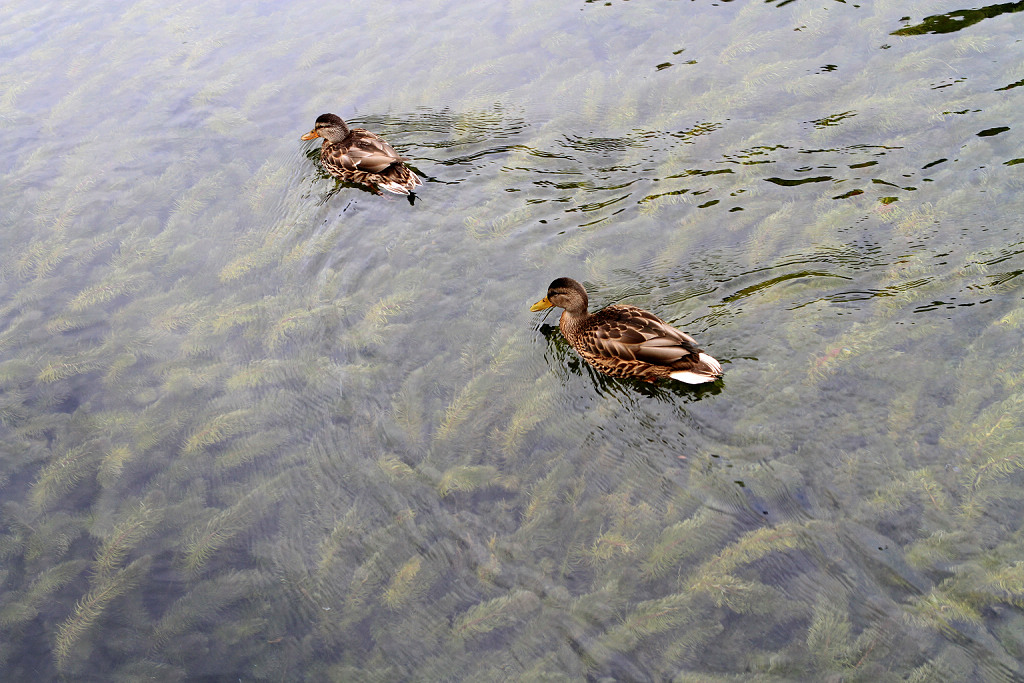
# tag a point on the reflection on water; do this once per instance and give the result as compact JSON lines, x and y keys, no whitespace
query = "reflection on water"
{"x":256,"y":425}
{"x":957,"y":20}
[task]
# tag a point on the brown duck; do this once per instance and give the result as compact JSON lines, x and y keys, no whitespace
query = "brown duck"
{"x":357,"y":155}
{"x":626,"y":341}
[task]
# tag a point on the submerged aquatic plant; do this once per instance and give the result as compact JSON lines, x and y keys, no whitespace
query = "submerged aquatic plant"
{"x":245,"y":433}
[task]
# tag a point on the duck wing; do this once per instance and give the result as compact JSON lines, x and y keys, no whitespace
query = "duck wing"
{"x":630,"y":333}
{"x":361,"y":150}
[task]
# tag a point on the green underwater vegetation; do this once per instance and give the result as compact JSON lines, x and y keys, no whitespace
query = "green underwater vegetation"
{"x":257,"y":426}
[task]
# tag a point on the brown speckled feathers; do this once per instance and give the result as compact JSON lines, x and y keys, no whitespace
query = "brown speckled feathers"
{"x":359,"y":156}
{"x":626,"y":341}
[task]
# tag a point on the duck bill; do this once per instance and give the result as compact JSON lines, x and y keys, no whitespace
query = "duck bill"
{"x":310,"y":135}
{"x":541,"y":305}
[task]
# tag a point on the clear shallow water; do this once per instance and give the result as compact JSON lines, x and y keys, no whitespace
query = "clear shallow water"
{"x":255,"y":427}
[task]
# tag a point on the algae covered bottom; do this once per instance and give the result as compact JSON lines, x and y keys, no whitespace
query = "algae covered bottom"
{"x":257,"y":426}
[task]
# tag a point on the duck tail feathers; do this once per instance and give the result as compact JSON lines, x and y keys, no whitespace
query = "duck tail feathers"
{"x":707,"y":370}
{"x":402,"y":182}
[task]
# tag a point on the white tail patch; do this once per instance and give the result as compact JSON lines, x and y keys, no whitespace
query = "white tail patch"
{"x":398,"y":188}
{"x":708,"y":371}
{"x":715,"y":366}
{"x":393,"y":188}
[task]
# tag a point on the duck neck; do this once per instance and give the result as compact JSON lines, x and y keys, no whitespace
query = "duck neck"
{"x":571,"y":321}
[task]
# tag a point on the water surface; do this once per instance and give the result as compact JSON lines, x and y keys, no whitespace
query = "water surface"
{"x":256,"y":426}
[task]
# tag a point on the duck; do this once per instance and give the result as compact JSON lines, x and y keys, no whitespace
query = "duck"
{"x":626,"y":341}
{"x":359,"y":156}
